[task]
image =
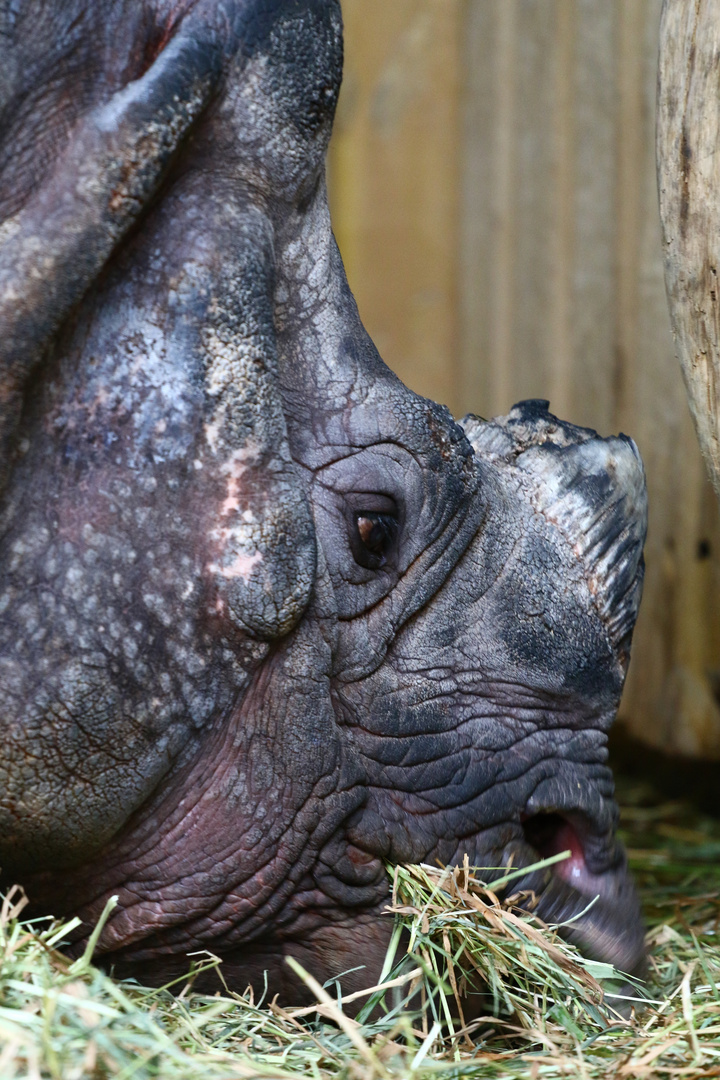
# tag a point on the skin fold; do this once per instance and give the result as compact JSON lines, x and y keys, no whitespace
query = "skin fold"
{"x":269,"y":619}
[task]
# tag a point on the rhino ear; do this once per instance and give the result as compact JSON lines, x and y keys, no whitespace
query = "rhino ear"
{"x":592,"y":489}
{"x":54,"y":247}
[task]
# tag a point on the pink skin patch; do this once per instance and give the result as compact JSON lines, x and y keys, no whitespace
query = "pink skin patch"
{"x":240,"y":567}
{"x":234,"y":469}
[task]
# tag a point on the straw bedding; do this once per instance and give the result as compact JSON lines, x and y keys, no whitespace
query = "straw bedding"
{"x":544,"y":1012}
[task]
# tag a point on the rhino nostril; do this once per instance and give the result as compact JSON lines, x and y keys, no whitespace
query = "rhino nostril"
{"x":549,"y":834}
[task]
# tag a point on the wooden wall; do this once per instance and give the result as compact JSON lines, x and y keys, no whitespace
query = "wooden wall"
{"x":493,"y":193}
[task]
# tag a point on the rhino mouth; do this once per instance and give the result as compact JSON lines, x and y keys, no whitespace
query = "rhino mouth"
{"x":551,"y":834}
{"x":590,"y":895}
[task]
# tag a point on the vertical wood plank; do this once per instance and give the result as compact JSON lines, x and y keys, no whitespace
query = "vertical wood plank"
{"x":630,"y":160}
{"x":562,"y":237}
{"x":594,"y":201}
{"x":536,"y":206}
{"x":487,"y":236}
{"x":537,"y":280}
{"x":688,"y":181}
{"x":394,"y":165}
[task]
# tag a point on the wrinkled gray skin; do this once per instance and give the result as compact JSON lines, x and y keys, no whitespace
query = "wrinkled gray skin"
{"x":214,"y":702}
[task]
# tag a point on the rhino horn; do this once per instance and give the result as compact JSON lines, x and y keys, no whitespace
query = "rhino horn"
{"x":592,"y":489}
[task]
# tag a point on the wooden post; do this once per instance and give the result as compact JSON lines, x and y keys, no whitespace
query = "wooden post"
{"x":688,"y":163}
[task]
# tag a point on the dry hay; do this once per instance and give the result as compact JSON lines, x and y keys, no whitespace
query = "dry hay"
{"x":546,"y":1012}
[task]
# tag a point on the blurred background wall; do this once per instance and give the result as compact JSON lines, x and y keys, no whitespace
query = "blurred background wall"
{"x":492,"y":184}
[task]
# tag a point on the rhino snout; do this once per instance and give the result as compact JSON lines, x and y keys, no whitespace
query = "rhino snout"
{"x":591,"y":489}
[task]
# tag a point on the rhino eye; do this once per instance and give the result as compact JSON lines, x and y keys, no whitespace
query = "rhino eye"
{"x":374,"y":538}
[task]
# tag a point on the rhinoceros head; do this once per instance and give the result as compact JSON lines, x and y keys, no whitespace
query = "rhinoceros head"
{"x":267,"y":617}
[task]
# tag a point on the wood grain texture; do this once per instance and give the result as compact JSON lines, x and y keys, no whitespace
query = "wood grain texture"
{"x":688,"y":141}
{"x":688,"y":177}
{"x":537,"y":233}
{"x":394,"y":170}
